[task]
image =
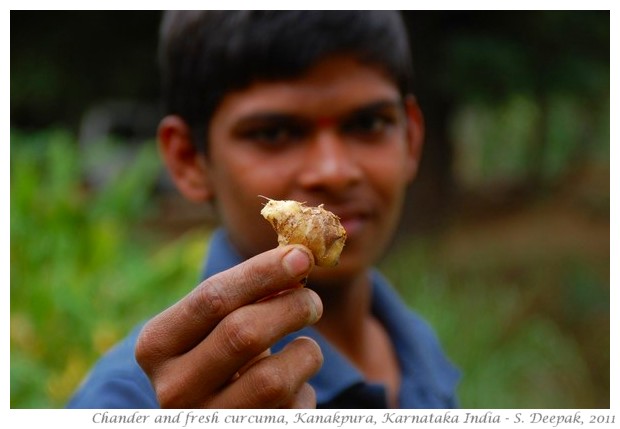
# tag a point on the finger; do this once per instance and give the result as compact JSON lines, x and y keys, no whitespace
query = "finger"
{"x":236,"y":340}
{"x":185,"y":324}
{"x":276,"y":380}
{"x":245,"y":367}
{"x":305,"y":398}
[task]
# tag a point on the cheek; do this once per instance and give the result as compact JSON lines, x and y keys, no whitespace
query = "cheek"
{"x":238,"y":186}
{"x":247,"y":184}
{"x":388,"y":174}
{"x":240,"y":214}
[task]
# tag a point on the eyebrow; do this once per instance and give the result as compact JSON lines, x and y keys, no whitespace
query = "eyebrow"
{"x":280,"y":117}
{"x":376,"y":106}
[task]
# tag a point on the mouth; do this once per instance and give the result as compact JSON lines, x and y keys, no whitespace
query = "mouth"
{"x":353,"y":224}
{"x":353,"y":218}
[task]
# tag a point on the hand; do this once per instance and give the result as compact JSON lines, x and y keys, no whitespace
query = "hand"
{"x":211,"y":349}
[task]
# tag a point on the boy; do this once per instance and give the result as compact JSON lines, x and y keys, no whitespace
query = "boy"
{"x":306,"y":106}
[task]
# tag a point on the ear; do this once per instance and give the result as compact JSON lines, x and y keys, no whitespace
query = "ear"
{"x":186,"y":165}
{"x":415,"y":135}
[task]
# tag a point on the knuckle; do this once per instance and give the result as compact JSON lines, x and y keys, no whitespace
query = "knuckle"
{"x":206,"y":301}
{"x":148,"y":350}
{"x":142,"y":351}
{"x":167,"y":397}
{"x":176,"y":389}
{"x":272,"y":385}
{"x":242,"y":336}
{"x":255,"y":274}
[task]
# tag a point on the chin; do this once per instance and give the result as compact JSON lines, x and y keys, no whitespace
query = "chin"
{"x":348,"y":270}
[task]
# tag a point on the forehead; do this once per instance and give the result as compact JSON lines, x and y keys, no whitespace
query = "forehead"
{"x":332,"y":87}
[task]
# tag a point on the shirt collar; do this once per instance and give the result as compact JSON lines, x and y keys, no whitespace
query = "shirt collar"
{"x":429,"y":379}
{"x":221,"y":256}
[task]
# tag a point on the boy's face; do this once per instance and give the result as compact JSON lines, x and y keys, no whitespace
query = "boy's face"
{"x":340,"y":136}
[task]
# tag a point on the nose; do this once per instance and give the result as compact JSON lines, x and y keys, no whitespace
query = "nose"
{"x":330,"y":164}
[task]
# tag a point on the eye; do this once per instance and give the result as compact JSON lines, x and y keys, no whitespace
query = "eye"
{"x":273,"y":134}
{"x":370,"y":126}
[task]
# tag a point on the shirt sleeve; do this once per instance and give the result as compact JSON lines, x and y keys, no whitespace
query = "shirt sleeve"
{"x":116,"y":381}
{"x":113,"y":392}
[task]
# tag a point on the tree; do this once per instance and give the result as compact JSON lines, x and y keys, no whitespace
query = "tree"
{"x":487,"y":57}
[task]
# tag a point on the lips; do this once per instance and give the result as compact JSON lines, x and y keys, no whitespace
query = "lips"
{"x":353,"y":225}
{"x":353,"y":219}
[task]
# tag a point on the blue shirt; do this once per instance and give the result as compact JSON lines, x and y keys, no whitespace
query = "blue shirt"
{"x":428,"y":379}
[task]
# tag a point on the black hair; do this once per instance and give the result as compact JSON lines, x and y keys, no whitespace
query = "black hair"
{"x":206,"y":54}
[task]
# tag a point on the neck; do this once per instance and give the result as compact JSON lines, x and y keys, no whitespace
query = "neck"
{"x":346,"y":311}
{"x":349,"y":325}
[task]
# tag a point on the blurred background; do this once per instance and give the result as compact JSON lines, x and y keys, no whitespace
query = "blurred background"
{"x":504,"y":246}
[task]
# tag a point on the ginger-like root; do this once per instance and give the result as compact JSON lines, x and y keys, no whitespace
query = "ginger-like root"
{"x":314,"y":227}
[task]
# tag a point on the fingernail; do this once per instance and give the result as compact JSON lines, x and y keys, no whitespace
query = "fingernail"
{"x":317,"y":309}
{"x":296,"y":262}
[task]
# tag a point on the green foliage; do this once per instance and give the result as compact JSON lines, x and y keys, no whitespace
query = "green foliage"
{"x":523,"y":139}
{"x":492,"y":56}
{"x":81,"y":274}
{"x":515,"y":326}
{"x":527,"y":329}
